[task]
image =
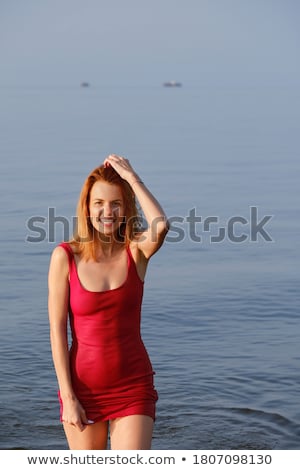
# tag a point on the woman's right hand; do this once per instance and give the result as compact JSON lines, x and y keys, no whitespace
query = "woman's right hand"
{"x":74,"y":414}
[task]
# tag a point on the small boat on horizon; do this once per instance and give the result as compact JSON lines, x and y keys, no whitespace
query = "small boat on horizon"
{"x":84,"y":84}
{"x":172,"y":83}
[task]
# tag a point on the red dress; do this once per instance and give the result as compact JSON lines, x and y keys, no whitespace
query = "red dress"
{"x":111,"y":372}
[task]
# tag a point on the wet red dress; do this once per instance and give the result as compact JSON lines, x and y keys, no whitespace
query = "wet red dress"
{"x":112,"y":375}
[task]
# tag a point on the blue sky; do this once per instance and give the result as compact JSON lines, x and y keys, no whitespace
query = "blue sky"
{"x":62,"y":42}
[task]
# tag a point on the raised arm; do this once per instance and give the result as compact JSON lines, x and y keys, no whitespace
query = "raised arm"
{"x":158,"y":225}
{"x":58,"y":301}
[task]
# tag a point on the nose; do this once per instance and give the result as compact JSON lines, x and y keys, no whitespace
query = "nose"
{"x":107,"y":210}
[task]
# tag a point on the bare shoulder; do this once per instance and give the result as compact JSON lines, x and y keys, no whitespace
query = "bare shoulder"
{"x":59,"y":254}
{"x":59,"y":260}
{"x":58,"y":284}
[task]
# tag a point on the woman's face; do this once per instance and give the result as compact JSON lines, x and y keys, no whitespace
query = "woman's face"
{"x":106,"y":207}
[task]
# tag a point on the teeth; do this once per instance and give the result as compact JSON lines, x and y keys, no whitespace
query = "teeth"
{"x":103,"y":220}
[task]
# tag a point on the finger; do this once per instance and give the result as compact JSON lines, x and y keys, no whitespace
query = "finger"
{"x":77,"y":425}
{"x":80,"y":425}
{"x":111,"y":160}
{"x":112,"y":156}
{"x":84,"y":419}
{"x":115,"y":162}
{"x":116,"y":158}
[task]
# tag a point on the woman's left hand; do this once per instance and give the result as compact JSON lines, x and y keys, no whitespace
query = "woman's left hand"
{"x":121,"y":165}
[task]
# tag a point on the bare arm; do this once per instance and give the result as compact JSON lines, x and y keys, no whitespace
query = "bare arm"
{"x":158,"y":226}
{"x":58,"y":301}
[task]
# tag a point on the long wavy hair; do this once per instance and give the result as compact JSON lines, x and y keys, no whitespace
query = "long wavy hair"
{"x":85,"y":236}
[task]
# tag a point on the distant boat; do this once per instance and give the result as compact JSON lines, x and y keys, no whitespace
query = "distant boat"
{"x":84,"y":84}
{"x":172,"y":83}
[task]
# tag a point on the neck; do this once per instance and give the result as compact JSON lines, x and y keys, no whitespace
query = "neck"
{"x":107,"y":247}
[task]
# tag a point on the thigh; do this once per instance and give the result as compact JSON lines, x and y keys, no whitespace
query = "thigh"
{"x":131,"y":432}
{"x":93,"y":437}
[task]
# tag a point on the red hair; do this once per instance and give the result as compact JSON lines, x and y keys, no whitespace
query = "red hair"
{"x":85,"y":236}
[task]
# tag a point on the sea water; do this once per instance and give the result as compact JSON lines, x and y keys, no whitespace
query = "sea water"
{"x":220,"y":316}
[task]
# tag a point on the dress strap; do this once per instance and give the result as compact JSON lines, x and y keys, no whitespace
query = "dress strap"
{"x":130,"y":257}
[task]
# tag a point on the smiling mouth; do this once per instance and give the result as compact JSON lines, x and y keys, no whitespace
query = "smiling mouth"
{"x":106,"y":220}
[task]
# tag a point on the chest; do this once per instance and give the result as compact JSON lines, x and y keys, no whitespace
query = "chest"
{"x":103,"y":275}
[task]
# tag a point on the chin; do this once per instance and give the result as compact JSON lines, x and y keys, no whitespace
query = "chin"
{"x":109,"y":232}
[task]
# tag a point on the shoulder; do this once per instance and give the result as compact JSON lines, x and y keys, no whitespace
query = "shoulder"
{"x":60,"y":256}
{"x":59,"y":270}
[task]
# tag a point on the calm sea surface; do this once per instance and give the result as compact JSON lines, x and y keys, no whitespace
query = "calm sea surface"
{"x":221,"y":306}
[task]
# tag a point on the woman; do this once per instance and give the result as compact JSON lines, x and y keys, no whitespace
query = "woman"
{"x":106,"y":378}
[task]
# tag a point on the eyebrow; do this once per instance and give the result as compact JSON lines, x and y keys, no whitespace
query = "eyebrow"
{"x":113,"y":200}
